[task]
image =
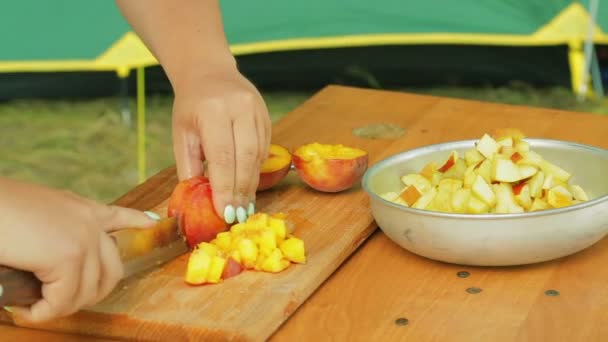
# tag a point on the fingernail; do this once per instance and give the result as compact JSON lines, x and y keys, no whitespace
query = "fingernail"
{"x":251,"y":209}
{"x":152,"y":215}
{"x":8,"y":309}
{"x":241,"y":214}
{"x":229,"y":214}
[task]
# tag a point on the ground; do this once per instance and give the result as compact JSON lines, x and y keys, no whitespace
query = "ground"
{"x":83,"y":146}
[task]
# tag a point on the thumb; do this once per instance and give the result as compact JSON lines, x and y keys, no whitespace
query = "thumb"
{"x":118,"y":218}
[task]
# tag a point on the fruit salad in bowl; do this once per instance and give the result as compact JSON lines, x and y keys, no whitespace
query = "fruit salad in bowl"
{"x":502,"y":199}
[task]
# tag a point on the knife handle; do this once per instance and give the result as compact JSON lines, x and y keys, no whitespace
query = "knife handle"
{"x":18,"y":288}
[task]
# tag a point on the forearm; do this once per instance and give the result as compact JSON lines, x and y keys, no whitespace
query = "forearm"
{"x":186,"y":36}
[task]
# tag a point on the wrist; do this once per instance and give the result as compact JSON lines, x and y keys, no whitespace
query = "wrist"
{"x":195,"y":70}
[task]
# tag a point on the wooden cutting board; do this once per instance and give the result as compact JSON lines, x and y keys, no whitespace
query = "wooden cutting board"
{"x":158,"y":305}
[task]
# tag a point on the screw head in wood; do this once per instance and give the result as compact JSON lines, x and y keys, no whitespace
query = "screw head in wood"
{"x":463,"y":274}
{"x":552,"y":293}
{"x":401,"y":321}
{"x":473,"y":290}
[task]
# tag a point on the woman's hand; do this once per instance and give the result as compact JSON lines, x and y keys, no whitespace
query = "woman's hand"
{"x":220,"y":117}
{"x":62,"y":238}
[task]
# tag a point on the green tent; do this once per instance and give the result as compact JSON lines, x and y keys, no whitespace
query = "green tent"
{"x":386,"y":36}
{"x":65,"y":47}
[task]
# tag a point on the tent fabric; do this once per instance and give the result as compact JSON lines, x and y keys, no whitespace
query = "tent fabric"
{"x":92,"y":35}
{"x":75,"y":35}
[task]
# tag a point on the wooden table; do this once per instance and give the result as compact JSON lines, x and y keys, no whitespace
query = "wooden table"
{"x":383,"y":292}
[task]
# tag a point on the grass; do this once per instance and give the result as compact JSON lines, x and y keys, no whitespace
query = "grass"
{"x":83,"y":145}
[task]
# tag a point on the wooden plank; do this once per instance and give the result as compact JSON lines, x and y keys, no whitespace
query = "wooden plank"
{"x":158,"y":305}
{"x":381,"y":282}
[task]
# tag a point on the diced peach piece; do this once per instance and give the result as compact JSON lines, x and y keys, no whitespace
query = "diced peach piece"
{"x":451,"y":161}
{"x":197,"y":268}
{"x":410,"y":195}
{"x":223,"y":240}
{"x":539,"y":204}
{"x":426,"y":199}
{"x":578,"y":193}
{"x":536,"y":184}
{"x":487,"y":146}
{"x":274,"y":262}
{"x":248,"y":251}
{"x":505,"y":141}
{"x":504,"y":170}
{"x":483,"y":191}
{"x":216,"y":269}
{"x":421,"y":183}
{"x":460,"y":199}
{"x":293,"y":250}
{"x":523,"y":197}
{"x":559,"y":197}
{"x":428,"y":170}
{"x":513,"y":133}
{"x":208,"y":248}
{"x":278,"y":227}
{"x":268,"y":242}
{"x":477,"y":206}
{"x":473,"y":156}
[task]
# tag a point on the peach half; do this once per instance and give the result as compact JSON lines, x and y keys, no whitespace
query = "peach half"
{"x":330,"y":168}
{"x":192,"y":203}
{"x":275,"y":167}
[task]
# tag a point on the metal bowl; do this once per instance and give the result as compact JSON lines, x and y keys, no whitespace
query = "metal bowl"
{"x":494,"y":239}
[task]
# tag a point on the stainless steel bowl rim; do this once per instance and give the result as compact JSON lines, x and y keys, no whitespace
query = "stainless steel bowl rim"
{"x":492,"y":216}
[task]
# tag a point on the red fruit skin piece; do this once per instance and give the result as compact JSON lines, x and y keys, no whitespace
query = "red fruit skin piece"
{"x":518,"y":187}
{"x":448,"y":164}
{"x":232,"y":269}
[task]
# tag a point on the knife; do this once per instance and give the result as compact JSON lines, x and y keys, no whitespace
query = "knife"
{"x":140,"y":249}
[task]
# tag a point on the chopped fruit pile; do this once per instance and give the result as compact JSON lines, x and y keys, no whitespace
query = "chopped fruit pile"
{"x":501,"y":174}
{"x":262,"y":243}
{"x":330,"y":168}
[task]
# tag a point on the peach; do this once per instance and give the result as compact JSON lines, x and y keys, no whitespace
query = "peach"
{"x":275,"y":167}
{"x":182,"y":191}
{"x":330,"y":168}
{"x":192,"y":203}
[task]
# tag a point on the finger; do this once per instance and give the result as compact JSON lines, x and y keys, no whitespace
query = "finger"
{"x":89,"y":279}
{"x":112,"y":269}
{"x":58,"y":291}
{"x":264,"y":118}
{"x":218,"y":146}
{"x":247,"y":163}
{"x":187,"y":152}
{"x":115,"y":218}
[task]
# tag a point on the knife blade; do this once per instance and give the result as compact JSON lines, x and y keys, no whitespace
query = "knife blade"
{"x":140,"y":249}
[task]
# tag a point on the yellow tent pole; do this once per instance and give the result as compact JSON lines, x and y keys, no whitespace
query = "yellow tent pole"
{"x":141,"y":124}
{"x":576,"y":59}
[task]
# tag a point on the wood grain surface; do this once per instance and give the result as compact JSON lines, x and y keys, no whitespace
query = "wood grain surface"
{"x":381,"y":292}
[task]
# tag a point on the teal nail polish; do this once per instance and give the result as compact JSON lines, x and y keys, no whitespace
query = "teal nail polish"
{"x":241,"y":214}
{"x":251,"y":209}
{"x":229,"y":214}
{"x":152,"y":215}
